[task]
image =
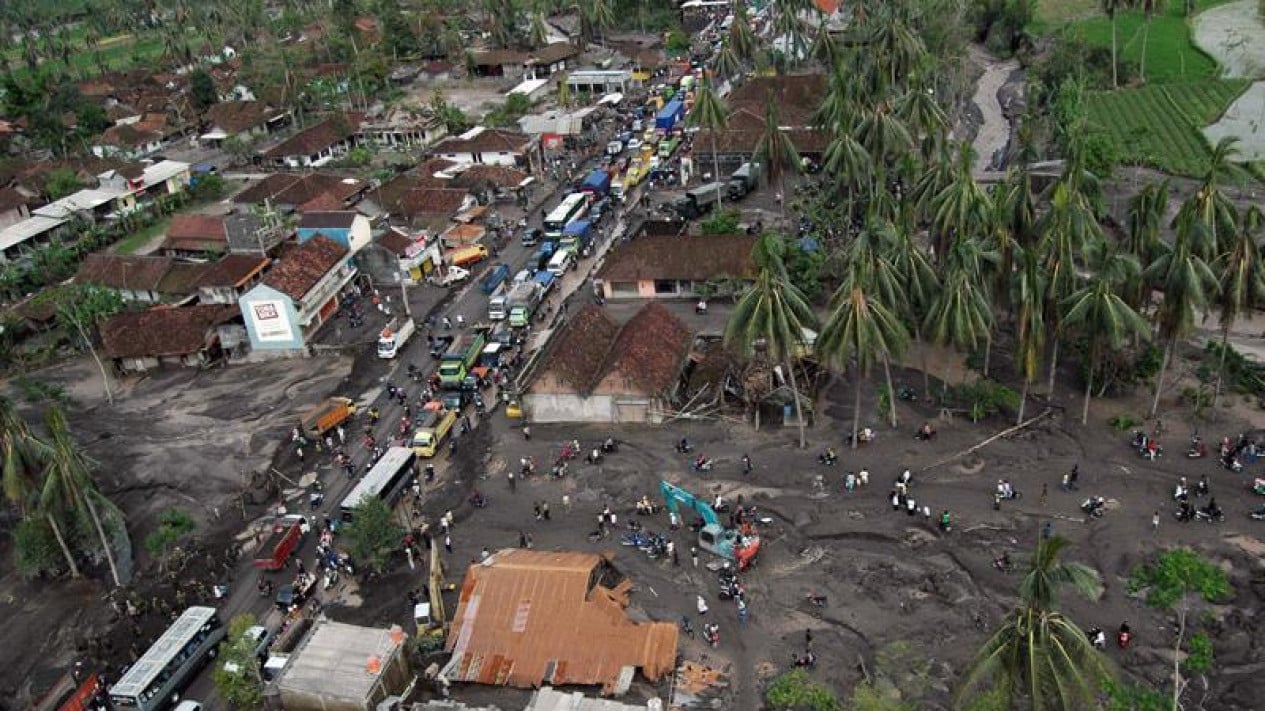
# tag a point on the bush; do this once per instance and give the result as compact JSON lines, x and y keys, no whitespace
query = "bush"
{"x":984,"y":398}
{"x":723,"y":222}
{"x":172,"y":525}
{"x":795,"y":690}
{"x":207,"y":187}
{"x":1123,"y":422}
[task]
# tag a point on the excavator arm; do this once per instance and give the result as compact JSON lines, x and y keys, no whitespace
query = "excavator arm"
{"x":675,"y":498}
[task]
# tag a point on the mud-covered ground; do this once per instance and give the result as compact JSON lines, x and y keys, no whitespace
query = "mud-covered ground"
{"x":887,"y":576}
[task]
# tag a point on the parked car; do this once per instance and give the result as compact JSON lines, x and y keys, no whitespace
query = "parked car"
{"x":531,"y":236}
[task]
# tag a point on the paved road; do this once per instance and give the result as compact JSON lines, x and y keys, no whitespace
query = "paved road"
{"x":471,"y":304}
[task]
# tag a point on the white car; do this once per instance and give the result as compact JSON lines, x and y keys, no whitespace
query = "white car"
{"x":454,"y":275}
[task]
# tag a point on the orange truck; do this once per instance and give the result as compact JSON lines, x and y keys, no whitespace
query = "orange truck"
{"x":326,"y":416}
{"x":465,"y":256}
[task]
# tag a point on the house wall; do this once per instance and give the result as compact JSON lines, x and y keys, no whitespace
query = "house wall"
{"x":318,"y":297}
{"x":11,"y":217}
{"x":545,"y":407}
{"x":135,"y":365}
{"x":487,"y":158}
{"x":272,"y":321}
{"x":648,"y":289}
{"x":218,"y":295}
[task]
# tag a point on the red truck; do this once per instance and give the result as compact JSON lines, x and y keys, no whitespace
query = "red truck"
{"x":287,"y":534}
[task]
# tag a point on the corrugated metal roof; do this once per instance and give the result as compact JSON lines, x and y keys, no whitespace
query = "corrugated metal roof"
{"x":527,"y":618}
{"x":333,"y":661}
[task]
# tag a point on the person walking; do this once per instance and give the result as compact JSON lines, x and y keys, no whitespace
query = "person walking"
{"x":342,"y":435}
{"x":448,"y":543}
{"x":1155,"y":522}
{"x":1045,"y":492}
{"x":746,"y":464}
{"x":694,"y":556}
{"x":566,"y":503}
{"x":544,"y":509}
{"x":527,"y":433}
{"x":513,"y":483}
{"x":676,"y":559}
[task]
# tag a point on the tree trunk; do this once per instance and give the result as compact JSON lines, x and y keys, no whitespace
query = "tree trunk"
{"x":105,"y":377}
{"x":1146,"y":32}
{"x":988,"y":352}
{"x":891,"y":394}
{"x":856,"y":408}
{"x":716,"y":169}
{"x":1054,"y":366}
{"x":1159,"y":380}
{"x":1023,"y":400}
{"x":799,"y":413}
{"x":105,"y":541}
{"x":1177,"y":656}
{"x":926,"y":375}
{"x":65,"y":549}
{"x":1115,"y":79}
{"x":1225,"y":337}
{"x":1089,"y":386}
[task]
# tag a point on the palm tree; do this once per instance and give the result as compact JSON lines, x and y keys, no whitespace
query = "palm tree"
{"x":741,"y":38}
{"x":919,"y":281}
{"x":727,"y":64}
{"x":883,"y":134}
{"x":1186,"y":280}
{"x":1103,"y":316}
{"x":1042,"y":659}
{"x":772,"y":314}
{"x":1065,"y":230}
{"x":711,"y":114}
{"x":1110,"y":8}
{"x":1211,"y":206}
{"x":1149,"y":9}
{"x":68,"y":481}
{"x":1143,"y":241}
{"x":1242,"y":279}
{"x":1028,"y":301}
{"x":861,"y":327}
{"x":962,"y":208}
{"x":24,"y":458}
{"x":775,"y":151}
{"x":960,"y":315}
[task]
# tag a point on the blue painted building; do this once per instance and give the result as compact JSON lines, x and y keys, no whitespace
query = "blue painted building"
{"x":346,"y":227}
{"x":298,"y":294}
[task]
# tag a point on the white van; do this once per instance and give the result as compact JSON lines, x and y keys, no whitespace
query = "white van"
{"x":561,"y":261}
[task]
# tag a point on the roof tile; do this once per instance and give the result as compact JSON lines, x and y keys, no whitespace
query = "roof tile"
{"x":684,"y":258}
{"x":162,"y":331}
{"x":300,"y":267}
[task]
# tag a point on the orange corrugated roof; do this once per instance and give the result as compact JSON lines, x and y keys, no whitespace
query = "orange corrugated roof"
{"x":532,"y":617}
{"x":827,"y":7}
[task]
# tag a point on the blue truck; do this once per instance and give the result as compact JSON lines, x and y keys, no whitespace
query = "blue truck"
{"x":598,"y":182}
{"x":540,"y":258}
{"x":545,"y":280}
{"x":669,"y":116}
{"x":494,"y":278}
{"x":577,"y":236}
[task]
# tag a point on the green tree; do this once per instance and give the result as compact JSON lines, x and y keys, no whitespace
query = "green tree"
{"x":1242,"y":280}
{"x":960,"y":315}
{"x":1038,"y":658}
{"x":920,"y":284}
{"x":1028,"y":300}
{"x":775,"y":151}
{"x":1186,"y":281}
{"x":722,"y":222}
{"x":712,"y":115}
{"x":772,"y":315}
{"x":61,"y":182}
{"x":795,"y":690}
{"x":24,"y":459}
{"x":863,"y":325}
{"x":202,"y":90}
{"x":68,"y":482}
{"x":1143,"y":241}
{"x":374,"y":534}
{"x":1065,"y":229}
{"x":79,"y":310}
{"x":1103,"y":317}
{"x":961,"y":209}
{"x":1174,"y":582}
{"x":236,"y":675}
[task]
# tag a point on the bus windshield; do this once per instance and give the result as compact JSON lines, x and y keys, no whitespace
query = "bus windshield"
{"x":572,"y":208}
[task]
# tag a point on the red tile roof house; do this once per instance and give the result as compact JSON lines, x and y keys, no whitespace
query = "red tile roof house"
{"x":317,"y":145}
{"x":668,"y":267}
{"x":241,"y":119}
{"x":596,"y":371}
{"x":492,"y":146}
{"x":138,"y":341}
{"x":128,"y":140}
{"x":297,"y":295}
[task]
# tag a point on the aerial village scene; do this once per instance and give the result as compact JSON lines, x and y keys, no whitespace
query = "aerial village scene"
{"x":799,"y":355}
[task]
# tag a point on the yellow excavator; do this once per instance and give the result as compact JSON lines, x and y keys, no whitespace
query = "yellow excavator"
{"x":431,"y":619}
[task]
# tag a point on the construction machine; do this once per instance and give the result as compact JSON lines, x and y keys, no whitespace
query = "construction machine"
{"x":728,"y":543}
{"x":431,"y":618}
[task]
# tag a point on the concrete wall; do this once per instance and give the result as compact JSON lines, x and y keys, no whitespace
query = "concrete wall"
{"x":541,"y":407}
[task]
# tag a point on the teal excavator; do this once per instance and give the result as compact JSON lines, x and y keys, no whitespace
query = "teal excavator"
{"x":728,"y":543}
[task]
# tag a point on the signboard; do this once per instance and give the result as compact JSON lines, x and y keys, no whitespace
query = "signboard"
{"x":272,"y":322}
{"x":551,"y":141}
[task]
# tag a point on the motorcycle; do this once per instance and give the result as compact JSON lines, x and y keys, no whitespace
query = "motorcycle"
{"x":1185,"y":513}
{"x":1094,"y":506}
{"x":731,"y":590}
{"x":478,"y":501}
{"x":330,"y":579}
{"x":1258,"y":514}
{"x":828,"y":458}
{"x":906,"y":393}
{"x":808,"y":660}
{"x":1210,"y":514}
{"x":1198,"y":449}
{"x":1003,"y":564}
{"x":702,"y":465}
{"x":816,"y":600}
{"x":684,"y":447}
{"x":594,"y":457}
{"x":610,"y":446}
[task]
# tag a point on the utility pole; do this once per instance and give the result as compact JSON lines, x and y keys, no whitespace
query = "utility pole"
{"x":408,"y":311}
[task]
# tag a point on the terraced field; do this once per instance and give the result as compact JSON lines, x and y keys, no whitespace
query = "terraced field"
{"x":1159,"y":124}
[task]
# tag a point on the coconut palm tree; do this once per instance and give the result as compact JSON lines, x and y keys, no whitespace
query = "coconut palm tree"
{"x":863,"y":325}
{"x":772,"y":315}
{"x":1149,"y":9}
{"x":1210,"y":204}
{"x":1186,"y":281}
{"x":1142,"y":241}
{"x":711,"y":114}
{"x":962,"y":208}
{"x":883,"y":134}
{"x":775,"y":151}
{"x":1102,"y":315}
{"x":68,"y":482}
{"x":1042,"y":659}
{"x":24,"y":458}
{"x":1242,"y":279}
{"x":1110,"y":8}
{"x":1027,"y":300}
{"x":919,"y":281}
{"x":923,"y":116}
{"x":1065,"y":230}
{"x":727,"y":64}
{"x":741,"y":38}
{"x":960,"y":315}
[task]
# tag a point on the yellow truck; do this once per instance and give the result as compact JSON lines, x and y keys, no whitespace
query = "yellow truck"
{"x":331,"y":413}
{"x":466,"y":256}
{"x":432,"y":433}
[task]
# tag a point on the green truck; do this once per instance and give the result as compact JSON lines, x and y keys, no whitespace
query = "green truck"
{"x":461,"y":356}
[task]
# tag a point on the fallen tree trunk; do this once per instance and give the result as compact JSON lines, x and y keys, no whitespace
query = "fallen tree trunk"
{"x":1004,"y":433}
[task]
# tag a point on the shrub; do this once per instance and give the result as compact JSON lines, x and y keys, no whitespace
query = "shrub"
{"x":796,"y":690}
{"x":984,"y":398}
{"x":172,"y":525}
{"x":1123,"y":422}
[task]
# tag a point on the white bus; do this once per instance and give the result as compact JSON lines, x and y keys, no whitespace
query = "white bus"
{"x":573,"y":207}
{"x":170,"y":663}
{"x":385,"y":480}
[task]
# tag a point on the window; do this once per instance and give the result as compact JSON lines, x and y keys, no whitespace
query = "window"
{"x":664,"y":287}
{"x":624,"y":288}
